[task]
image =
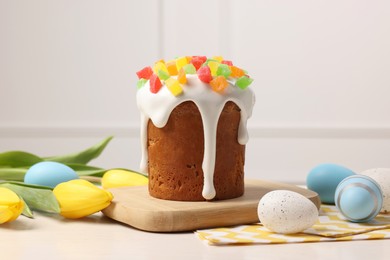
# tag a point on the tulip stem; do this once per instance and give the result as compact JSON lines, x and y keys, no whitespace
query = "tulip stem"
{"x":91,"y":179}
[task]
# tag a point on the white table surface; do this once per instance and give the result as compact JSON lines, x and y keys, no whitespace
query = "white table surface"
{"x":98,"y":237}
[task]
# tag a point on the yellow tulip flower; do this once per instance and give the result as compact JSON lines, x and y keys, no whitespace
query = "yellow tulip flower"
{"x":119,"y":178}
{"x":11,"y":206}
{"x":79,"y":198}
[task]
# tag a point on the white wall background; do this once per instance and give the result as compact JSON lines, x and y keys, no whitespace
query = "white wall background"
{"x":321,"y":69}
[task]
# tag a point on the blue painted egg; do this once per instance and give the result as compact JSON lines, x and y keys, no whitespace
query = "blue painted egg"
{"x":359,"y":198}
{"x":49,"y":174}
{"x":324,"y":179}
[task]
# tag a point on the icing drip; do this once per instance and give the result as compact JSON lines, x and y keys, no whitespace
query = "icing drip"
{"x":144,"y":140}
{"x":158,"y":107}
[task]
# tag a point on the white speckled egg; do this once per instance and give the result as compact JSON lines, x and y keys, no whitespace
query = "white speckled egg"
{"x":286,"y":212}
{"x":382,"y":177}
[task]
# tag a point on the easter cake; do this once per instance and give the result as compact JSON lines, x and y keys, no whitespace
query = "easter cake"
{"x":193,"y":127}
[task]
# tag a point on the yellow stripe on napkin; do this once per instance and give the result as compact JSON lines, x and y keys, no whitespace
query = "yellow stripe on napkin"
{"x":331,"y":226}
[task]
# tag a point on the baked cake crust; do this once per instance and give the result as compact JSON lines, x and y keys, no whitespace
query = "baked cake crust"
{"x":175,"y":154}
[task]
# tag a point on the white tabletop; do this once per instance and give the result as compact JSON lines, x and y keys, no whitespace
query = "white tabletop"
{"x":98,"y":237}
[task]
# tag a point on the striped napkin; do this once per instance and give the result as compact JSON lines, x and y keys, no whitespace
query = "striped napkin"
{"x":331,"y":226}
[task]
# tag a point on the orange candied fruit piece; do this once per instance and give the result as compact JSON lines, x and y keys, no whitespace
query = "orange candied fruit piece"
{"x":236,"y":72}
{"x":171,"y":67}
{"x":181,"y":77}
{"x":219,"y":84}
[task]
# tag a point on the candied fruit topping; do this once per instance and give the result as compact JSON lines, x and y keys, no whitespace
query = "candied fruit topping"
{"x":223,"y":70}
{"x":202,"y":58}
{"x":181,"y":62}
{"x":197,"y":62}
{"x":236,"y":72}
{"x":174,"y":86}
{"x":155,"y":84}
{"x":204,"y":74}
{"x":218,"y":58}
{"x":189,"y":69}
{"x":181,"y":77}
{"x":172,"y":69}
{"x":160,"y":66}
{"x":219,"y":84}
{"x":145,"y":73}
{"x":141,"y":83}
{"x":244,"y":82}
{"x":189,"y":58}
{"x":213,"y":65}
{"x":227,"y":62}
{"x":163,"y":75}
{"x":215,"y":71}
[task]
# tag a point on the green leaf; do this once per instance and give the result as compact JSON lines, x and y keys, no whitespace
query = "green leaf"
{"x":12,"y":174}
{"x":33,"y":186}
{"x":95,"y":180}
{"x":36,"y":197}
{"x":86,"y":170}
{"x":26,"y":210}
{"x":82,"y":157}
{"x":17,"y":174}
{"x":18,"y":159}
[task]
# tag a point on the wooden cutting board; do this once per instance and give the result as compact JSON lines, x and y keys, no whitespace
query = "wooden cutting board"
{"x":135,"y":207}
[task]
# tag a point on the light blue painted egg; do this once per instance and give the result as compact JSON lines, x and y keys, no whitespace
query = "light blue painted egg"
{"x":49,"y":174}
{"x":359,"y":198}
{"x":324,"y":179}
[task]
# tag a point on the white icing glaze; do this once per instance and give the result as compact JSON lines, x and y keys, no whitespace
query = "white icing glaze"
{"x":158,"y":107}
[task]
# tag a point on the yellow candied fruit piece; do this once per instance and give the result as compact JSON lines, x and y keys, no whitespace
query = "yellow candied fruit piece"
{"x":181,"y":62}
{"x":174,"y":86}
{"x":162,"y":61}
{"x":219,"y":84}
{"x":172,"y":69}
{"x":218,"y":58}
{"x":160,"y":66}
{"x":236,"y":72}
{"x":182,"y":77}
{"x":213,"y":65}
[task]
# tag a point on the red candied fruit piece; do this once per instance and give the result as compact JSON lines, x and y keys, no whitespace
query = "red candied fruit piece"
{"x":204,"y":74}
{"x":202,"y":58}
{"x":155,"y":83}
{"x":227,"y":62}
{"x":197,"y":61}
{"x":145,"y":73}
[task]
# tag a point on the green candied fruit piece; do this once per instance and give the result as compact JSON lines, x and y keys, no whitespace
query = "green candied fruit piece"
{"x":141,"y":83}
{"x":163,"y":75}
{"x":224,"y":70}
{"x":189,"y":69}
{"x":243,"y":82}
